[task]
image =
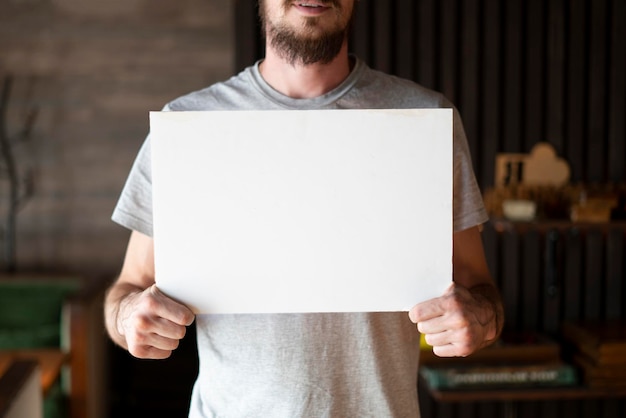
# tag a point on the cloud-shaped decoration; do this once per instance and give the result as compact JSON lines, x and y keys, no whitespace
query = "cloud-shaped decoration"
{"x":544,"y":168}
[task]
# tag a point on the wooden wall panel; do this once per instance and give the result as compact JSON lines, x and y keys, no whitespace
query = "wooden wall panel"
{"x":404,"y":33}
{"x":511,"y":287}
{"x":519,"y":71}
{"x":596,"y":130}
{"x":555,"y":60}
{"x":513,"y":42}
{"x":551,"y":287}
{"x":615,"y":273}
{"x":94,"y":70}
{"x":469,"y":76}
{"x":250,"y":46}
{"x":425,"y":56}
{"x":550,"y":274}
{"x":617,"y":92}
{"x":489,"y":55}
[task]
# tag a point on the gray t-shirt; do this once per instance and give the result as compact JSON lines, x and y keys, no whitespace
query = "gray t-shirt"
{"x":307,"y":365}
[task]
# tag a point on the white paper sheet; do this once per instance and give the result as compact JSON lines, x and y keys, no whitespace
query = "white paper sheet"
{"x":302,"y":211}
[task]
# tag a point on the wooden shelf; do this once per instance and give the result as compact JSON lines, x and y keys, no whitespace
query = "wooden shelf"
{"x":18,"y":396}
{"x":530,"y":394}
{"x":50,"y":361}
{"x":504,"y":225}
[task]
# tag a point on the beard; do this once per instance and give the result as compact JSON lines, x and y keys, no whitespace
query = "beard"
{"x":306,"y":46}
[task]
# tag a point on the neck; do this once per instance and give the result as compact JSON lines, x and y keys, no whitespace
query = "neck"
{"x":304,"y":81}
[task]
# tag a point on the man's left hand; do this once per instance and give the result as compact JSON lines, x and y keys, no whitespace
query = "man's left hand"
{"x":457,"y":323}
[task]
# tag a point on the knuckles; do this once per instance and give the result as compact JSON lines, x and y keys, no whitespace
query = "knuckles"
{"x":148,"y":336}
{"x":142,"y":323}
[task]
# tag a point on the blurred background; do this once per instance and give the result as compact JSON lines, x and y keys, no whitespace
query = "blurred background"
{"x":80,"y":76}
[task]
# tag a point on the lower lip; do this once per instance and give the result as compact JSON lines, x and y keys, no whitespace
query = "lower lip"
{"x":311,"y":11}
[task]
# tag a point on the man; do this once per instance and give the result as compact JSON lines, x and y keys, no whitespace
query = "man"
{"x":307,"y":365}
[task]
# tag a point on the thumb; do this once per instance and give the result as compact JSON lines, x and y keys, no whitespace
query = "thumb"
{"x":175,"y":310}
{"x":450,"y":289}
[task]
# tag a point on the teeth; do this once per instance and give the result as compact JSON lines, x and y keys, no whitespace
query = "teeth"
{"x":309,"y":5}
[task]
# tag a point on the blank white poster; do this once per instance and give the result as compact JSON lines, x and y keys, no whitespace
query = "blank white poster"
{"x":302,"y":211}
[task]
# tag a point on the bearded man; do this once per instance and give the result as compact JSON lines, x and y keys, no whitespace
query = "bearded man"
{"x":313,"y":364}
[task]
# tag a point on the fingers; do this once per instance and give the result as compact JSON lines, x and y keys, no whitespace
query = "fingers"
{"x":150,"y":345}
{"x":449,"y":343}
{"x":449,"y":323}
{"x":426,"y":310}
{"x":432,"y":308}
{"x":152,"y":323}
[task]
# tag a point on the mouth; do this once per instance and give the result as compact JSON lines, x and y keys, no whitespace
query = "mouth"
{"x":311,"y":7}
{"x":310,"y":3}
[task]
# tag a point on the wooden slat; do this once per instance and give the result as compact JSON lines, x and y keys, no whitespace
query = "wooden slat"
{"x":529,"y":409}
{"x":383,"y":21}
{"x":448,"y":55}
{"x":513,"y":59}
{"x":490,"y":121}
{"x":551,"y":287}
{"x":362,"y":31}
{"x":534,"y":81}
{"x":570,"y":409}
{"x":594,"y":274}
{"x":247,"y":37}
{"x":576,"y":89}
{"x":427,"y":54}
{"x":469,"y":92}
{"x":615,"y":273}
{"x":617,"y":93}
{"x":466,"y":411}
{"x":590,"y":408}
{"x":446,"y":410}
{"x":554,"y":77}
{"x":572,"y":280}
{"x":491,"y":244}
{"x":489,"y":410}
{"x":405,"y":37}
{"x":596,"y":137}
{"x":511,"y":280}
{"x":613,"y":409}
{"x":531,"y":265}
{"x":549,"y":409}
{"x":426,"y":402}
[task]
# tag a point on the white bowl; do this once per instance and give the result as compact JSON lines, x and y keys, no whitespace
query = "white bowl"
{"x":519,"y":209}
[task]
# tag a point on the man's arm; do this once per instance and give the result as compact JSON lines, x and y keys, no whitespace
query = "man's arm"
{"x":469,"y":315}
{"x":138,"y":317}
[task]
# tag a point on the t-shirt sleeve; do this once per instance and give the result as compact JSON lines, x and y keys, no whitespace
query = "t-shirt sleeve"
{"x":468,"y":206}
{"x":134,"y":207}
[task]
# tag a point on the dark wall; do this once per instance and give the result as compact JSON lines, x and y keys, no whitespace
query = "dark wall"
{"x":520,"y":71}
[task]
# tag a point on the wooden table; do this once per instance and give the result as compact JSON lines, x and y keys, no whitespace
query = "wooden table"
{"x":50,"y":361}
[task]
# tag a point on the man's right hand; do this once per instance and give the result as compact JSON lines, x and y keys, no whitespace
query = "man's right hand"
{"x":138,"y":316}
{"x":151,"y":323}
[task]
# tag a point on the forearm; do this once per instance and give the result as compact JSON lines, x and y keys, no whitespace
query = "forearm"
{"x":492,"y":319}
{"x":114,"y":299}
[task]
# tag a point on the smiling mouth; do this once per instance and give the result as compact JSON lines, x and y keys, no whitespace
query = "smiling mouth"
{"x":311,"y":5}
{"x":315,"y":6}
